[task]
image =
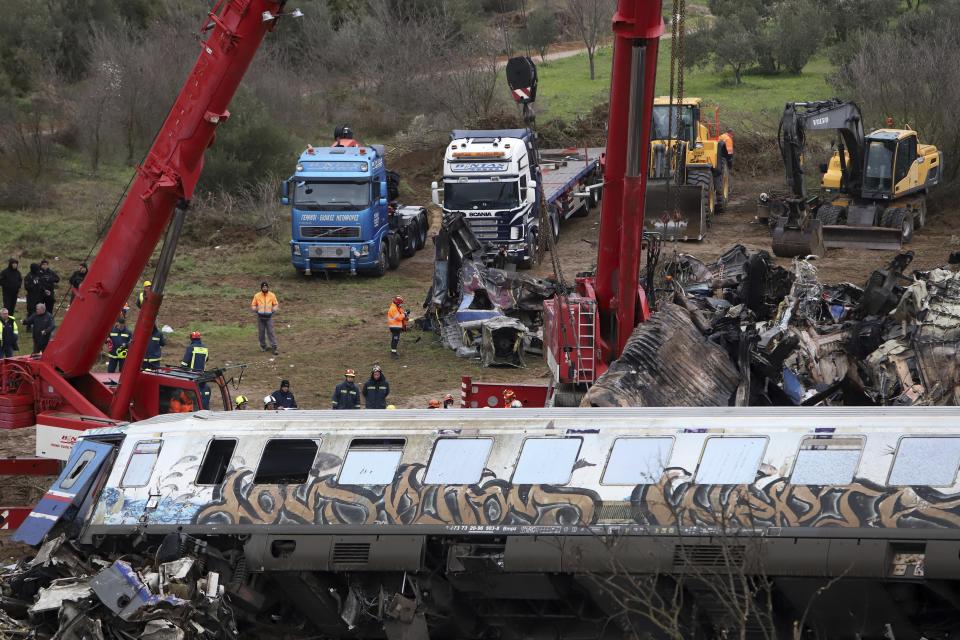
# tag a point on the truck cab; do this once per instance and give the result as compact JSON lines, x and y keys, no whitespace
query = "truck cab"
{"x":342,"y":217}
{"x":490,"y":176}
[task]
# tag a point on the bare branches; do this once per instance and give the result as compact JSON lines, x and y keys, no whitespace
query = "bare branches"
{"x":591,"y":20}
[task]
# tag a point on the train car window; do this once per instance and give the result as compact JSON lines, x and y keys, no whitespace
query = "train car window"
{"x":931,"y":462}
{"x":637,"y":460}
{"x":547,"y":460}
{"x":141,"y":464}
{"x":286,"y":461}
{"x":827,"y":461}
{"x":729,"y":460}
{"x":213,"y":469}
{"x":77,"y":469}
{"x":458,"y":460}
{"x":371,"y":462}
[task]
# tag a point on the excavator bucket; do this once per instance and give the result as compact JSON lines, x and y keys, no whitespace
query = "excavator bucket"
{"x":790,"y":242}
{"x":677,"y":213}
{"x":857,"y":237}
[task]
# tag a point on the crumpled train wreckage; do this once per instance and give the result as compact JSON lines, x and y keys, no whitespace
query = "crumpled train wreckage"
{"x":739,"y":331}
{"x":481,"y":312}
{"x":789,"y":339}
{"x":182,"y":590}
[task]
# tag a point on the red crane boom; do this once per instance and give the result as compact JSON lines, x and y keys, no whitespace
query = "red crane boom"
{"x":58,"y":387}
{"x":588,"y":329}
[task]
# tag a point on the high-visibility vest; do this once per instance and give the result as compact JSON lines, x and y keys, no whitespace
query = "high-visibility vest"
{"x":396,"y":318}
{"x":264,"y":304}
{"x":198,"y":357}
{"x":16,"y":329}
{"x":727,"y":141}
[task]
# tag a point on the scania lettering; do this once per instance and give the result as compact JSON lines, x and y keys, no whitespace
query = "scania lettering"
{"x":507,"y":190}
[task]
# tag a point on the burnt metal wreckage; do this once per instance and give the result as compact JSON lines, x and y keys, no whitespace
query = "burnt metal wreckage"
{"x":791,"y":340}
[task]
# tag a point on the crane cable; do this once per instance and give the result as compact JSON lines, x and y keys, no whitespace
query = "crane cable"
{"x":677,"y":53}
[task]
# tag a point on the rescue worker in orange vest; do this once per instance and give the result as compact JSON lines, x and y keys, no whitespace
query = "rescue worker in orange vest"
{"x":343,"y":137}
{"x":397,"y":323}
{"x":726,"y":147}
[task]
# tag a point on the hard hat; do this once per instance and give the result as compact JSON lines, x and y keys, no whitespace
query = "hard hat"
{"x":346,"y":132}
{"x":195,"y":335}
{"x":390,"y":406}
{"x":240,"y":400}
{"x":434,"y":404}
{"x":508,"y":393}
{"x":398,"y":299}
{"x":377,"y":367}
{"x":349,"y":373}
{"x":516,"y":404}
{"x":268,"y":400}
{"x":147,"y":283}
{"x":448,"y":397}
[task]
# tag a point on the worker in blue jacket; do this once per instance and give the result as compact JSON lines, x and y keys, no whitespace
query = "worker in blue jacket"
{"x":376,"y":389}
{"x":154,"y":349}
{"x":195,"y":357}
{"x":119,"y":343}
{"x":347,"y":394}
{"x":283,"y":399}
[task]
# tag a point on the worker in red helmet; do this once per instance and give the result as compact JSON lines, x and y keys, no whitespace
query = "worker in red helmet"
{"x":195,"y":357}
{"x":508,"y":397}
{"x":397,"y":318}
{"x":346,"y":395}
{"x":447,"y":401}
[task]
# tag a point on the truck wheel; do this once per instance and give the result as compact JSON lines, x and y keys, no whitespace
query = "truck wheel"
{"x":423,"y":225}
{"x":704,"y":178}
{"x":829,"y":214}
{"x":533,"y":241}
{"x":393,"y":251}
{"x":409,"y":240}
{"x":920,"y":221}
{"x":383,"y":262}
{"x":723,"y":183}
{"x":898,"y":218}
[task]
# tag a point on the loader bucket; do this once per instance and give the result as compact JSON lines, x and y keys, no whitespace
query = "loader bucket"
{"x":678,"y":214}
{"x":790,"y":242}
{"x":854,"y":237}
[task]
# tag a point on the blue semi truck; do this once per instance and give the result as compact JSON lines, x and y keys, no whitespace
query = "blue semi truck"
{"x":344,"y":213}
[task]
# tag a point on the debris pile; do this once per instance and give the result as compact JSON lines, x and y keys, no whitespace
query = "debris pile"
{"x":791,"y":339}
{"x":485,"y":313}
{"x":181,"y":589}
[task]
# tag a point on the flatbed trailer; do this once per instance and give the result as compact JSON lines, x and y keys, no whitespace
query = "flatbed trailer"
{"x":562,"y":172}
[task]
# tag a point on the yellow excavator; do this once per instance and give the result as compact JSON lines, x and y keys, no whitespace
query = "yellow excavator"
{"x":688,"y":180}
{"x":872,"y":191}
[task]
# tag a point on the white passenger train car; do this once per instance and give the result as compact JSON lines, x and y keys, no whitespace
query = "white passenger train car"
{"x":800,"y":495}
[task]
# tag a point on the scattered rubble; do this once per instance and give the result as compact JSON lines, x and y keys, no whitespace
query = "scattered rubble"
{"x":794,"y":340}
{"x":64,"y":594}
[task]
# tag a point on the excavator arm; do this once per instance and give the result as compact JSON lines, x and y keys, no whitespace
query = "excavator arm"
{"x":825,"y":115}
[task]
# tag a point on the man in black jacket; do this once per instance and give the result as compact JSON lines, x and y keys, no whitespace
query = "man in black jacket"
{"x":33,"y":283}
{"x":283,"y":398}
{"x":376,"y":390}
{"x":10,"y":281}
{"x":41,"y":325}
{"x":76,"y":279}
{"x":49,"y":280}
{"x":347,"y":395}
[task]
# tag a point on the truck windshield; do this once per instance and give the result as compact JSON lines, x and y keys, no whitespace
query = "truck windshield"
{"x":682,"y":123}
{"x":879,"y":171}
{"x":481,"y":195}
{"x":332,"y":195}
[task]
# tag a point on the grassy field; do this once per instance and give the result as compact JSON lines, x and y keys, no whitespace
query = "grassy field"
{"x":566,"y":91}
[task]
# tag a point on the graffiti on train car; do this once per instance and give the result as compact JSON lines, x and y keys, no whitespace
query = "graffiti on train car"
{"x":406,"y":501}
{"x":772,"y":502}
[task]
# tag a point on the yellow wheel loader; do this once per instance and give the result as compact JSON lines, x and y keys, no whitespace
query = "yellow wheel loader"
{"x":688,"y":180}
{"x":872,"y":191}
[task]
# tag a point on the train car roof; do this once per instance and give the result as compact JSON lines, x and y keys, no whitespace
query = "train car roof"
{"x":728,"y":419}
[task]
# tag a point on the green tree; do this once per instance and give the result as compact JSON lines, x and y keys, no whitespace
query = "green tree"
{"x":734,"y":46}
{"x":540,"y":31}
{"x":797,"y":29}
